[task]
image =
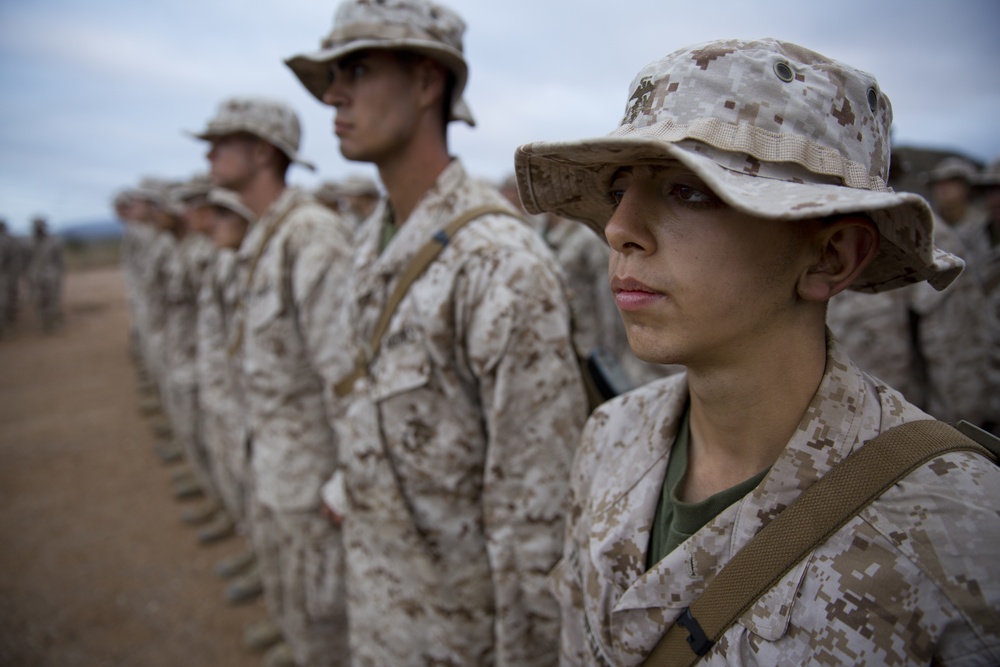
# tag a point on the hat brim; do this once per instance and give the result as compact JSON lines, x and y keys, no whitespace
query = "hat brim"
{"x":571,"y":179}
{"x":290,"y":154}
{"x":312,"y":68}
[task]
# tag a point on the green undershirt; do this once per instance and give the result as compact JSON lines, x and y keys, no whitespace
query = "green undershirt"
{"x":676,"y":521}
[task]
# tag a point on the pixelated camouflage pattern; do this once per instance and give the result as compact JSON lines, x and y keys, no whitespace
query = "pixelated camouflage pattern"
{"x":457,"y":444}
{"x":219,"y":395}
{"x":271,"y":120}
{"x":281,"y":330}
{"x":44,"y":275}
{"x":301,"y":563}
{"x":775,"y":130}
{"x":909,"y":581}
{"x":418,"y":26}
{"x":984,"y":262}
{"x":184,"y":271}
{"x":931,"y":346}
{"x":286,"y":320}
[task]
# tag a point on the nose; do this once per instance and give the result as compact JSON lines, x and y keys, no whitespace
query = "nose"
{"x":627,"y":231}
{"x":334,"y":93}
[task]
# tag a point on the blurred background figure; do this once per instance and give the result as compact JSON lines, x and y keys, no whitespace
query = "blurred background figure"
{"x":950,"y":183}
{"x":354,"y":198}
{"x":9,"y":270}
{"x":45,"y":275}
{"x":982,"y":241}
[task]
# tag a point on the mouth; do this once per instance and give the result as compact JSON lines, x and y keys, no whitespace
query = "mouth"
{"x":631,"y":294}
{"x":341,"y":127}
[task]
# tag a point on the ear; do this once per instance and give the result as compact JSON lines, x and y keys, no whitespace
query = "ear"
{"x":431,"y":77}
{"x":845,"y":246}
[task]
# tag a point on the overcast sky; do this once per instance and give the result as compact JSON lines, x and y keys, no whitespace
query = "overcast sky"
{"x":96,"y":94}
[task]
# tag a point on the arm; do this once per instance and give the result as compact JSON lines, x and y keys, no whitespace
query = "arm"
{"x":534,"y":407}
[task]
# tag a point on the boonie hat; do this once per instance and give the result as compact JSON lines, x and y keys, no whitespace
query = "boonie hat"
{"x":230,"y":201}
{"x":952,"y":168}
{"x":418,"y":26}
{"x":268,"y":119}
{"x":775,"y":130}
{"x":359,"y":186}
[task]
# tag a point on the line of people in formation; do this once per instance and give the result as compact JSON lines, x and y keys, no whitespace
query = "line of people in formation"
{"x":38,"y":263}
{"x":382,"y":387}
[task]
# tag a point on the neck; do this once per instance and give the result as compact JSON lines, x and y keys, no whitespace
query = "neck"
{"x":408,"y":175}
{"x":743,"y":415}
{"x":260,"y":193}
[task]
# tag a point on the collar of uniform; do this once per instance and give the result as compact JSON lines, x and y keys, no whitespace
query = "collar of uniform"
{"x":827,"y":433}
{"x":434,"y":210}
{"x":289,"y":198}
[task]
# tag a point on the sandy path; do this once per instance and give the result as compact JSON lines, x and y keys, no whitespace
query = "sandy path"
{"x":96,"y":568}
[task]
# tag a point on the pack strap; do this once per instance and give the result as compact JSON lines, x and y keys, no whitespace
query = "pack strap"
{"x":240,"y":306}
{"x":424,"y":257}
{"x":808,"y":522}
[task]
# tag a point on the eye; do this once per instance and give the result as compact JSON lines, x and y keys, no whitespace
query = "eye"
{"x":616,"y":189}
{"x":693,"y":196}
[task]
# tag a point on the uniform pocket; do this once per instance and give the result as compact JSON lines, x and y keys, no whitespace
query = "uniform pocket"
{"x":403,"y":364}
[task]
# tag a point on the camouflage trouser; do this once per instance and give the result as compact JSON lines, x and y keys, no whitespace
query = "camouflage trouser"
{"x":301,"y":560}
{"x":185,"y":419}
{"x":224,"y":446}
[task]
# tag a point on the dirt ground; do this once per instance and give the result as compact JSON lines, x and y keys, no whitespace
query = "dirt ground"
{"x":96,"y":567}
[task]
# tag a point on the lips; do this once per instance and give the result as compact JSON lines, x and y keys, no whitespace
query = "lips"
{"x":631,"y":294}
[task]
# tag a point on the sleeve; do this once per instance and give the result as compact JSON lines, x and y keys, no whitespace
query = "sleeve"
{"x":319,"y":277}
{"x":518,"y":345}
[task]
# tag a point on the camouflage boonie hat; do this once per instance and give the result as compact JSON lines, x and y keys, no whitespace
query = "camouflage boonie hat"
{"x":359,"y":186}
{"x":952,"y":168}
{"x":418,"y":26}
{"x":775,"y":130}
{"x":194,"y":189}
{"x":271,"y":120}
{"x":230,"y":201}
{"x":328,"y":192}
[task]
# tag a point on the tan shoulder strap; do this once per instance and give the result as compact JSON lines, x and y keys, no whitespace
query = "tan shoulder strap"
{"x":819,"y":512}
{"x":427,"y":253}
{"x":240,"y":305}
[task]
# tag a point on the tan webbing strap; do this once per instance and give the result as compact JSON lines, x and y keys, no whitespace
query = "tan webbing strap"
{"x":427,"y":253}
{"x":269,"y":233}
{"x":819,"y":512}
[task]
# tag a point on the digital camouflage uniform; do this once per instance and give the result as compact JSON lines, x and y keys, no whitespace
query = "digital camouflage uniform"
{"x":281,"y":329}
{"x":982,"y":241}
{"x":457,"y":444}
{"x":895,"y":586}
{"x":45,"y":276}
{"x":219,"y":395}
{"x":9,"y":270}
{"x":456,"y":441}
{"x":778,"y":132}
{"x":931,"y":346}
{"x":185,"y":271}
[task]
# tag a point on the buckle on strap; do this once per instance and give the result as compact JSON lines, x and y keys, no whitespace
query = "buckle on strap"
{"x":697,"y":639}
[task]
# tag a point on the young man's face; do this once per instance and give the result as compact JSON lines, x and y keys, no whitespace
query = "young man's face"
{"x":232,"y":161}
{"x":378,"y":104}
{"x":697,"y":282}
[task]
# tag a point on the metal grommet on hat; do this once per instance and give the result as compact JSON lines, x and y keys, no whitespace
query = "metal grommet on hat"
{"x":872,"y":99}
{"x":784,"y":71}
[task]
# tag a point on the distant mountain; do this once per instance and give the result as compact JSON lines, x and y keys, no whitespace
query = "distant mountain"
{"x":98,"y":230}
